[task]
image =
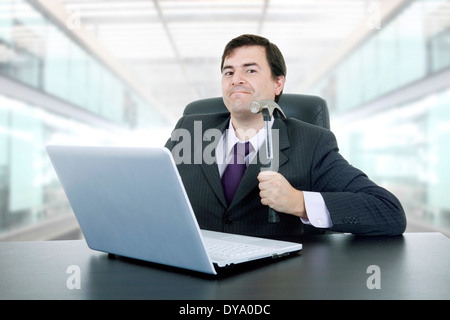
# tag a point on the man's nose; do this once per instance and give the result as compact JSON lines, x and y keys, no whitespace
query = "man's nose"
{"x":237,"y":79}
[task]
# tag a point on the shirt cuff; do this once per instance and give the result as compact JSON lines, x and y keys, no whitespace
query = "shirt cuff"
{"x":318,"y":214}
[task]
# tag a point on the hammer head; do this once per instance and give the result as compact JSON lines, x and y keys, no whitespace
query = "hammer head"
{"x":266,"y":106}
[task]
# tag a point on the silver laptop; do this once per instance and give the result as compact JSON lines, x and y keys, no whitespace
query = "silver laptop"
{"x":131,"y":202}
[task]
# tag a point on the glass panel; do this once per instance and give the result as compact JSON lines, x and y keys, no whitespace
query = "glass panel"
{"x":94,"y":86}
{"x":56,"y":65}
{"x":405,"y":150}
{"x":6,"y":21}
{"x":386,"y":74}
{"x":39,"y":54}
{"x":440,"y":50}
{"x":29,"y":188}
{"x":26,"y":144}
{"x":77,"y":76}
{"x":411,"y":59}
{"x":4,"y":160}
{"x":438,"y":123}
{"x":6,"y":26}
{"x":370,"y":66}
{"x":29,"y":43}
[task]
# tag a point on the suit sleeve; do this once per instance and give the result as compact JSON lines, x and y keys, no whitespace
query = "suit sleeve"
{"x":356,"y":204}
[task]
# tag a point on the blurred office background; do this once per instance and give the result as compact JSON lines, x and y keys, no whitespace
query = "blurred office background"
{"x":119,"y":72}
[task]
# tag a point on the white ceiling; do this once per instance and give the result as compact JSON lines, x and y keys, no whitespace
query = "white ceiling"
{"x":173,"y":47}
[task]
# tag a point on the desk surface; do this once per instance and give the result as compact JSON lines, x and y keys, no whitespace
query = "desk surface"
{"x":335,"y":266}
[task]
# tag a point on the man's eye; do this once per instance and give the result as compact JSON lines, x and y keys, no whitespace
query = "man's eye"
{"x":251,"y":71}
{"x":228,"y":73}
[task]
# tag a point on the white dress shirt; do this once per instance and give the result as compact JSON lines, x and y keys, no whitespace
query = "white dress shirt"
{"x":318,"y":213}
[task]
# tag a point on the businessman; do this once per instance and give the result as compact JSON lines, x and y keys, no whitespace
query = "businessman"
{"x":314,"y":189}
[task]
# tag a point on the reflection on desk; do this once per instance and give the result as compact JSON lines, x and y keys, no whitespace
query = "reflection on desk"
{"x":334,"y":266}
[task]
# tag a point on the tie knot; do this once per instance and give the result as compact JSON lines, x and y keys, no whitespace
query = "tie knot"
{"x":242,"y":149}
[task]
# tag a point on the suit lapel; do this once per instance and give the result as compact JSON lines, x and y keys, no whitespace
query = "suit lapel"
{"x":211,"y":171}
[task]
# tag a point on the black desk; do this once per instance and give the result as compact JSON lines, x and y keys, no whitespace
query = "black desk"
{"x":412,"y":266}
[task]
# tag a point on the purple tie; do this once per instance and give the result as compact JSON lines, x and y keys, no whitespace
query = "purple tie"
{"x":235,"y":170}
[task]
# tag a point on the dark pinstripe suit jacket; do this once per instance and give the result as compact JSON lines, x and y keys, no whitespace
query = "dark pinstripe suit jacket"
{"x":309,"y":160}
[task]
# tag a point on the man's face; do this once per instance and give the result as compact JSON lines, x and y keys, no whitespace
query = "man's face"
{"x":246,"y":77}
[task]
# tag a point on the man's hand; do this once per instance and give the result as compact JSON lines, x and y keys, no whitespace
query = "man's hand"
{"x":277,"y":193}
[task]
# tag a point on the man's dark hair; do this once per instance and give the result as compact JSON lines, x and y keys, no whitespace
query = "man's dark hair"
{"x":273,"y":54}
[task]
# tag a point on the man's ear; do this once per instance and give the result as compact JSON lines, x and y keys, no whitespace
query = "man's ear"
{"x":279,"y":84}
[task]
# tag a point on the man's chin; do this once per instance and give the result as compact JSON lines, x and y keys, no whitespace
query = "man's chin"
{"x":239,"y":106}
{"x":240,"y":101}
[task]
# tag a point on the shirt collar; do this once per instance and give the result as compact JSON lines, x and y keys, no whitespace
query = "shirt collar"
{"x":255,"y":142}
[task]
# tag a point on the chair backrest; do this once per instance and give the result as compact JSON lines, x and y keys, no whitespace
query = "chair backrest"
{"x":307,"y":108}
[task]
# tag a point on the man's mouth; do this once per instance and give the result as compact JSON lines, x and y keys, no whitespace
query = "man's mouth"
{"x":234,"y":92}
{"x":240,"y":91}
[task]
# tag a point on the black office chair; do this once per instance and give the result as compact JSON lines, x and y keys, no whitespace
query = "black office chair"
{"x":307,"y":108}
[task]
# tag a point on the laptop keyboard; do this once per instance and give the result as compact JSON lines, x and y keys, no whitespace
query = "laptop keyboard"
{"x":230,"y":249}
